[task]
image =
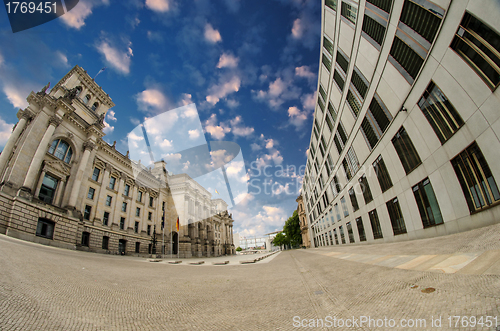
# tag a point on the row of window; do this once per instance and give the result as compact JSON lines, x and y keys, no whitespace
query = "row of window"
{"x":88,"y":209}
{"x":87,"y":98}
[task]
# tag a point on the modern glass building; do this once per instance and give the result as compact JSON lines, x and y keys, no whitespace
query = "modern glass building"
{"x":405,"y":138}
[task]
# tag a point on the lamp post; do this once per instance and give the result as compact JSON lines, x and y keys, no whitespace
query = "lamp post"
{"x":153,"y":241}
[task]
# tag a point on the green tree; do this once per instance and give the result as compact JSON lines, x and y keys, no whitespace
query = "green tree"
{"x":279,"y":240}
{"x":292,"y":230}
{"x":239,"y":249}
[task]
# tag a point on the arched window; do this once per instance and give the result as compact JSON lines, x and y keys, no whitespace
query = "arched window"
{"x":61,"y":150}
{"x":78,"y":90}
{"x":94,"y":106}
{"x":86,"y":99}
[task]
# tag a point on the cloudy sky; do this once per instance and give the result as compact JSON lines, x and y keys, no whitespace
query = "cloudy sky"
{"x":249,"y":66}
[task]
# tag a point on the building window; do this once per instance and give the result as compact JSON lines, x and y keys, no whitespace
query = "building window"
{"x":336,"y":237}
{"x":479,"y":46}
{"x":349,"y":232}
{"x":122,"y":223}
{"x":139,"y":196}
{"x":150,"y":216}
{"x":344,"y":207}
{"x":354,"y":201}
{"x":409,"y":60}
{"x":385,"y":5}
{"x":359,"y":82}
{"x":138,"y":212}
{"x":373,"y":29}
{"x":375,"y":223}
{"x":365,"y":188}
{"x":348,"y":12}
{"x":112,"y":182}
{"x":406,"y":151}
{"x":361,"y":229}
{"x":60,"y":149}
{"x":108,"y":200}
{"x":150,"y":201}
{"x":382,"y":174}
{"x":78,"y":90}
{"x":137,"y":247}
{"x":136,"y":227}
{"x":328,"y":45}
{"x":331,"y":3}
{"x":475,"y":177}
{"x":427,"y":204}
{"x":342,"y":61}
{"x":149,"y":230}
{"x":86,"y":213}
{"x":94,"y":106}
{"x":353,"y":102}
{"x":342,"y":237}
{"x":45,"y":228}
{"x":338,"y":80}
{"x":124,"y":206}
{"x":337,"y":211}
{"x":91,"y":193}
{"x":95,"y":174}
{"x":326,"y":61}
{"x":440,"y":113}
{"x":397,"y":220}
{"x":421,"y":20}
{"x":105,"y":218}
{"x":85,"y":239}
{"x":86,"y":99}
{"x":48,"y":189}
{"x":105,"y":242}
{"x":376,"y":121}
{"x":126,"y":191}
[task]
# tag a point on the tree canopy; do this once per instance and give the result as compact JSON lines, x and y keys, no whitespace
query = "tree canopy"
{"x":291,"y":232}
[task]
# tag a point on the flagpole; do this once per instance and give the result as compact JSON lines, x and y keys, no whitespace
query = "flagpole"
{"x":163,"y":234}
{"x":171,"y":243}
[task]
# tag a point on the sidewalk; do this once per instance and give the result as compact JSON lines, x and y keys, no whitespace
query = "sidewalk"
{"x":475,"y":252}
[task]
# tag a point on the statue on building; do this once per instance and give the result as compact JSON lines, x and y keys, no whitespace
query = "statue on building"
{"x":43,"y":91}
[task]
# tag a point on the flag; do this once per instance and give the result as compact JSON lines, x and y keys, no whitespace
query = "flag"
{"x":177,"y":224}
{"x":104,"y":68}
{"x":217,"y":192}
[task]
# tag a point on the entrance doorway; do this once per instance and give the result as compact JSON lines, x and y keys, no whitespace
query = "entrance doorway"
{"x":175,"y":243}
{"x":122,"y":244}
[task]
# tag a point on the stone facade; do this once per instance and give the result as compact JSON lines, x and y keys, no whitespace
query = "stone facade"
{"x":304,"y":227}
{"x":63,"y":185}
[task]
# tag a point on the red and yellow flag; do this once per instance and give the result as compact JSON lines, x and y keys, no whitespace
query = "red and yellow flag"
{"x":177,"y":224}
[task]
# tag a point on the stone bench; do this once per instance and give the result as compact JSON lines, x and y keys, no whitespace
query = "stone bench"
{"x":197,"y":263}
{"x":220,"y":263}
{"x":175,"y":262}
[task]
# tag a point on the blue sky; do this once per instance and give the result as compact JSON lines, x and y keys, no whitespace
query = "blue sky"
{"x":250,"y":67}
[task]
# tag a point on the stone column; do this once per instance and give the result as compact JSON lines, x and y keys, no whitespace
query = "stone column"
{"x":36,"y":162}
{"x":9,"y":146}
{"x":87,"y":147}
{"x":40,"y":181}
{"x":119,"y":201}
{"x":101,"y":198}
{"x":60,"y":191}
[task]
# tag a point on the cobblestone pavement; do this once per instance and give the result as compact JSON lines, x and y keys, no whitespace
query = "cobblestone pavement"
{"x":46,"y":288}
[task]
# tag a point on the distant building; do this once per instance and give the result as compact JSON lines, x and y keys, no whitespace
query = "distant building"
{"x":304,"y":227}
{"x":405,"y":137}
{"x":236,"y":240}
{"x":63,"y":185}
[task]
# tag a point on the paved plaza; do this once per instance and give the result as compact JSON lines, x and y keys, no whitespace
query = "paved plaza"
{"x":46,"y":288}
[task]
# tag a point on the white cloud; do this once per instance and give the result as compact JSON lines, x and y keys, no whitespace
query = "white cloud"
{"x":227,"y":61}
{"x":119,"y":60}
{"x":193,"y":134}
{"x":296,"y":117}
{"x":305,"y":71}
{"x":160,"y":6}
{"x":280,"y":90}
{"x":216,"y":131}
{"x":239,"y":129}
{"x":212,"y":35}
{"x":297,"y":29}
{"x":309,"y":101}
{"x":16,"y":96}
{"x":155,"y":36}
{"x":225,"y":87}
{"x":75,"y":18}
{"x":63,"y":59}
{"x":151,"y":101}
{"x":5,"y":131}
{"x":110,"y":116}
{"x":255,"y":147}
{"x":269,"y":143}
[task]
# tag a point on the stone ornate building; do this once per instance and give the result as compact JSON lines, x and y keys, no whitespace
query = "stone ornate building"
{"x":304,"y":227}
{"x":63,"y":185}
